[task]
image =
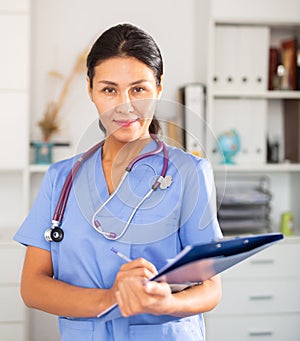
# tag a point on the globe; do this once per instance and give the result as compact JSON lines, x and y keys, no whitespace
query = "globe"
{"x":229,"y":145}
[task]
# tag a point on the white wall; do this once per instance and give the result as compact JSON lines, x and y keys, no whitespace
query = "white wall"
{"x":62,"y":29}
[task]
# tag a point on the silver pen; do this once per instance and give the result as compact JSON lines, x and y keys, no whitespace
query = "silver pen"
{"x":118,"y":253}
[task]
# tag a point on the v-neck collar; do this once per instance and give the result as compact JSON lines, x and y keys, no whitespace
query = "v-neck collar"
{"x":90,"y":186}
{"x":102,"y":187}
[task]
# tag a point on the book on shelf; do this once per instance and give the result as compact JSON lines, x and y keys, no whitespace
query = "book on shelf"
{"x":289,"y":50}
{"x":273,"y":64}
{"x":284,"y":66}
{"x":298,"y":67}
{"x":291,"y":119}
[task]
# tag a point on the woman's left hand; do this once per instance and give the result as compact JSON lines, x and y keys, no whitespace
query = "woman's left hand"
{"x":137,"y":296}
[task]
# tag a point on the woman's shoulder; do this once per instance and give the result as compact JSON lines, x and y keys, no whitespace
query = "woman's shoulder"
{"x":62,"y":168}
{"x":180,"y":156}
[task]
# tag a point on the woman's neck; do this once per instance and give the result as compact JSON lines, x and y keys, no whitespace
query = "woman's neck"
{"x":114,"y":150}
{"x":116,"y":156}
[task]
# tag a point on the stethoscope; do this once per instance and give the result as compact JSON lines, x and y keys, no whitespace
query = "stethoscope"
{"x":56,"y":234}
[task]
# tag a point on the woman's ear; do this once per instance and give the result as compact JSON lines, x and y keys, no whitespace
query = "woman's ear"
{"x":90,"y":90}
{"x":160,"y":87}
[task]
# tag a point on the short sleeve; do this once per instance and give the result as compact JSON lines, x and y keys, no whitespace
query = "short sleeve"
{"x":31,"y":232}
{"x":198,"y":219}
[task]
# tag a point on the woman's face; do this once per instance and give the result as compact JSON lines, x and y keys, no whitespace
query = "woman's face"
{"x":124,"y":92}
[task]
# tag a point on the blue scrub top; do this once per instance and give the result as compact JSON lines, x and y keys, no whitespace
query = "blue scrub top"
{"x":169,"y":220}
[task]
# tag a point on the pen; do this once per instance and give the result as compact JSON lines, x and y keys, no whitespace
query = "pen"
{"x":118,"y":253}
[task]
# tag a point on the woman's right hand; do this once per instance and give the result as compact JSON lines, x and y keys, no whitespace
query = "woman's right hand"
{"x":139,"y":268}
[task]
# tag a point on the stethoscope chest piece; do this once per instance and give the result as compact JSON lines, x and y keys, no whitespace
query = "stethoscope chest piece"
{"x":54,"y":234}
{"x":165,"y":182}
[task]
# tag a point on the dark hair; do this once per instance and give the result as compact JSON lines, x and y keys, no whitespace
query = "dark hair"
{"x":126,"y":40}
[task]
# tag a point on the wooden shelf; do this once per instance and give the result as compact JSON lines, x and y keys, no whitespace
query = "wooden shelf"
{"x":11,"y":170}
{"x":261,"y":95}
{"x":259,"y":168}
{"x":242,"y":21}
{"x":38,"y":168}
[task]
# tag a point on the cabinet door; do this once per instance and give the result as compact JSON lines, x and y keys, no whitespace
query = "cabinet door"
{"x":14,"y":57}
{"x":278,"y":261}
{"x":12,"y":332}
{"x":12,"y":308}
{"x":11,"y":261}
{"x":14,"y":5}
{"x":253,"y":328}
{"x":260,"y":296}
{"x":13,"y":137}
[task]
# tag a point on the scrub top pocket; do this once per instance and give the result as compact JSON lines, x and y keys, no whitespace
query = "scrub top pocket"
{"x":74,"y":330}
{"x":186,"y":329}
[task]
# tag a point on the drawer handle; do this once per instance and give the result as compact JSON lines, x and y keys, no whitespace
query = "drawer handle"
{"x":261,"y":297}
{"x":261,"y":333}
{"x":263,"y":261}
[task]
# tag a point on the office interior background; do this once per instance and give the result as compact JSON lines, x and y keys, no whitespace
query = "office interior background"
{"x":218,"y":54}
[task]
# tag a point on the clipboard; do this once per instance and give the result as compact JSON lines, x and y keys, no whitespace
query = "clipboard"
{"x":199,"y":262}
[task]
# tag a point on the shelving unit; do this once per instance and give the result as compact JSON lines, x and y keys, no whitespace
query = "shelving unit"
{"x":264,"y":286}
{"x":14,"y":148}
{"x":249,"y":106}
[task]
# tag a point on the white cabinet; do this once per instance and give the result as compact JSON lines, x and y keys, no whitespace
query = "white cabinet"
{"x":261,"y":297}
{"x":14,"y":36}
{"x":14,"y":147}
{"x":14,"y":131}
{"x":12,"y":310}
{"x":238,"y":97}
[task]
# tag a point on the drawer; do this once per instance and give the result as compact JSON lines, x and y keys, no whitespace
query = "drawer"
{"x":12,"y":331}
{"x":253,"y":328}
{"x":12,"y":308}
{"x":11,"y":262}
{"x":277,"y":261}
{"x":262,"y":296}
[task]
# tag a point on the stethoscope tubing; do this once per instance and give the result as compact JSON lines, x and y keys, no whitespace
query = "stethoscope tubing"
{"x":111,"y":235}
{"x":64,"y":195}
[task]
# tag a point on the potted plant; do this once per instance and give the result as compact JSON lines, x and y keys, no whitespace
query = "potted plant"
{"x":49,"y":124}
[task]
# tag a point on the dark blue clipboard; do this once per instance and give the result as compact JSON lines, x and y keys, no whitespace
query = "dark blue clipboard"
{"x":197,"y":263}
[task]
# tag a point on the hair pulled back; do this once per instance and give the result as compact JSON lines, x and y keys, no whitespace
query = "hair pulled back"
{"x":126,"y":40}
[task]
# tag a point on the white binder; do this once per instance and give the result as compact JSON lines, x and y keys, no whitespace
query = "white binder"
{"x":194,"y":118}
{"x":241,"y":58}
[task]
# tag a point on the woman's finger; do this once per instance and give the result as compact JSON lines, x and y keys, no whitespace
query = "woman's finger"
{"x":139,"y":263}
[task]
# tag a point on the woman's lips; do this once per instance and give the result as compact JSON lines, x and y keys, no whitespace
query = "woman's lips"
{"x":125,"y":123}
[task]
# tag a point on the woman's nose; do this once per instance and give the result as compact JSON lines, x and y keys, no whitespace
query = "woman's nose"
{"x":125,"y":106}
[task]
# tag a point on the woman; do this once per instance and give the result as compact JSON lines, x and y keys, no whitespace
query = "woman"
{"x":79,"y":277}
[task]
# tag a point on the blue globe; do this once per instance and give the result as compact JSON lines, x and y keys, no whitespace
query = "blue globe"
{"x":229,"y":145}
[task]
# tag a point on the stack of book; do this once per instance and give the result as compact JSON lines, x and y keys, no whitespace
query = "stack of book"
{"x":244,"y":208}
{"x":284,"y":66}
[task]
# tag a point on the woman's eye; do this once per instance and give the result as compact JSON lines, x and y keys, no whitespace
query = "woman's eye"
{"x":138,"y":89}
{"x":109,"y":90}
